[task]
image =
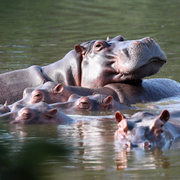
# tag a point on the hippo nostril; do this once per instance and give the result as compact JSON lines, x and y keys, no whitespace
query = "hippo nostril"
{"x":149,"y":43}
{"x":25,"y":113}
{"x":147,"y":144}
{"x":128,"y":144}
{"x":148,"y":39}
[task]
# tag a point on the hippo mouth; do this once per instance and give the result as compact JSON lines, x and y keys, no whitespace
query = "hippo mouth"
{"x":150,"y":68}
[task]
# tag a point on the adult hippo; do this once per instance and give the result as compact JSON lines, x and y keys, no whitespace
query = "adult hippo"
{"x":92,"y":64}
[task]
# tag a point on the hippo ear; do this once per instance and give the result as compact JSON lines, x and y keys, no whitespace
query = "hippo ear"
{"x":108,"y":101}
{"x":5,"y":108}
{"x":164,"y":116}
{"x":79,"y":49}
{"x":94,"y":93}
{"x":51,"y":113}
{"x":119,"y":117}
{"x":107,"y":39}
{"x":58,"y":89}
{"x":159,"y":123}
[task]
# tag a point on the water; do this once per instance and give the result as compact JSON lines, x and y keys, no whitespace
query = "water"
{"x":42,"y":32}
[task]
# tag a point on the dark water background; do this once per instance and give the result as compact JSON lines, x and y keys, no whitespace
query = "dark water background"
{"x":42,"y":32}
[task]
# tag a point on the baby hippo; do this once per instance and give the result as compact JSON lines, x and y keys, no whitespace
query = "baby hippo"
{"x":146,"y":130}
{"x":95,"y":102}
{"x":49,"y":92}
{"x":39,"y":113}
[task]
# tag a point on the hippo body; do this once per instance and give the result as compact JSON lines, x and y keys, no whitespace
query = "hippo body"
{"x":148,"y":90}
{"x":92,"y":64}
{"x":38,"y":113}
{"x":124,"y":95}
{"x":145,"y":130}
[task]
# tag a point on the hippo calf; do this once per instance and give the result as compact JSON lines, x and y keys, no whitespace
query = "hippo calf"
{"x":61,"y":97}
{"x":94,"y":102}
{"x":145,"y":130}
{"x":92,"y":64}
{"x":39,"y":113}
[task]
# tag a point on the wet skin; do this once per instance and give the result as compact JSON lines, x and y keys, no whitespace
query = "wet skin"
{"x":51,"y":92}
{"x":92,"y":64}
{"x":38,"y":113}
{"x":95,"y":102}
{"x":145,"y":130}
{"x":125,"y":94}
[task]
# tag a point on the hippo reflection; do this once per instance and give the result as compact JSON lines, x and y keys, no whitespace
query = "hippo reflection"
{"x":145,"y":130}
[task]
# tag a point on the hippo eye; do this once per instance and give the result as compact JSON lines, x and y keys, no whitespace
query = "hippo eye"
{"x":48,"y":117}
{"x":99,"y":45}
{"x":37,"y":96}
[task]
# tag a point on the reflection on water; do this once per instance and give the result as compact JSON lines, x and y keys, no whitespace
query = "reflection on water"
{"x":41,"y":32}
{"x":94,"y":150}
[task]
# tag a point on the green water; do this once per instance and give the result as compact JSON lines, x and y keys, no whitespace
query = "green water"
{"x":41,"y":32}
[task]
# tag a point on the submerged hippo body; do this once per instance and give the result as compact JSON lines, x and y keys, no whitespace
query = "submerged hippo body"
{"x":38,"y":113}
{"x":145,"y":130}
{"x":95,"y":102}
{"x":123,"y":95}
{"x":92,"y":64}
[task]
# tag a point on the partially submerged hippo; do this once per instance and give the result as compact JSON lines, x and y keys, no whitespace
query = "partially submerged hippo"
{"x":95,"y":102}
{"x":39,"y":113}
{"x":125,"y":94}
{"x":48,"y":92}
{"x":145,"y":130}
{"x":63,"y":98}
{"x":92,"y":64}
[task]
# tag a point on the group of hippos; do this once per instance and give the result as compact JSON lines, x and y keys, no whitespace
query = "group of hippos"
{"x":97,"y":75}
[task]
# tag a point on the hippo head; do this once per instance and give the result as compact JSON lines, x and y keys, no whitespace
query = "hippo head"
{"x":93,"y":102}
{"x":49,"y":92}
{"x":117,"y":60}
{"x":39,"y":113}
{"x":130,"y":134}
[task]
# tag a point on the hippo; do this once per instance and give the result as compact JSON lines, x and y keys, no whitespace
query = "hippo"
{"x":48,"y":92}
{"x":38,"y":113}
{"x":94,"y":102}
{"x":62,"y":96}
{"x":92,"y":64}
{"x":145,"y":130}
{"x":123,"y":94}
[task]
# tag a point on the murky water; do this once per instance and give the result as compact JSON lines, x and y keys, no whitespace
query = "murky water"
{"x":41,"y":32}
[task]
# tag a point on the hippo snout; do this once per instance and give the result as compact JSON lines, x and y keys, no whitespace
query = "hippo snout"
{"x":25,"y":113}
{"x":145,"y":144}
